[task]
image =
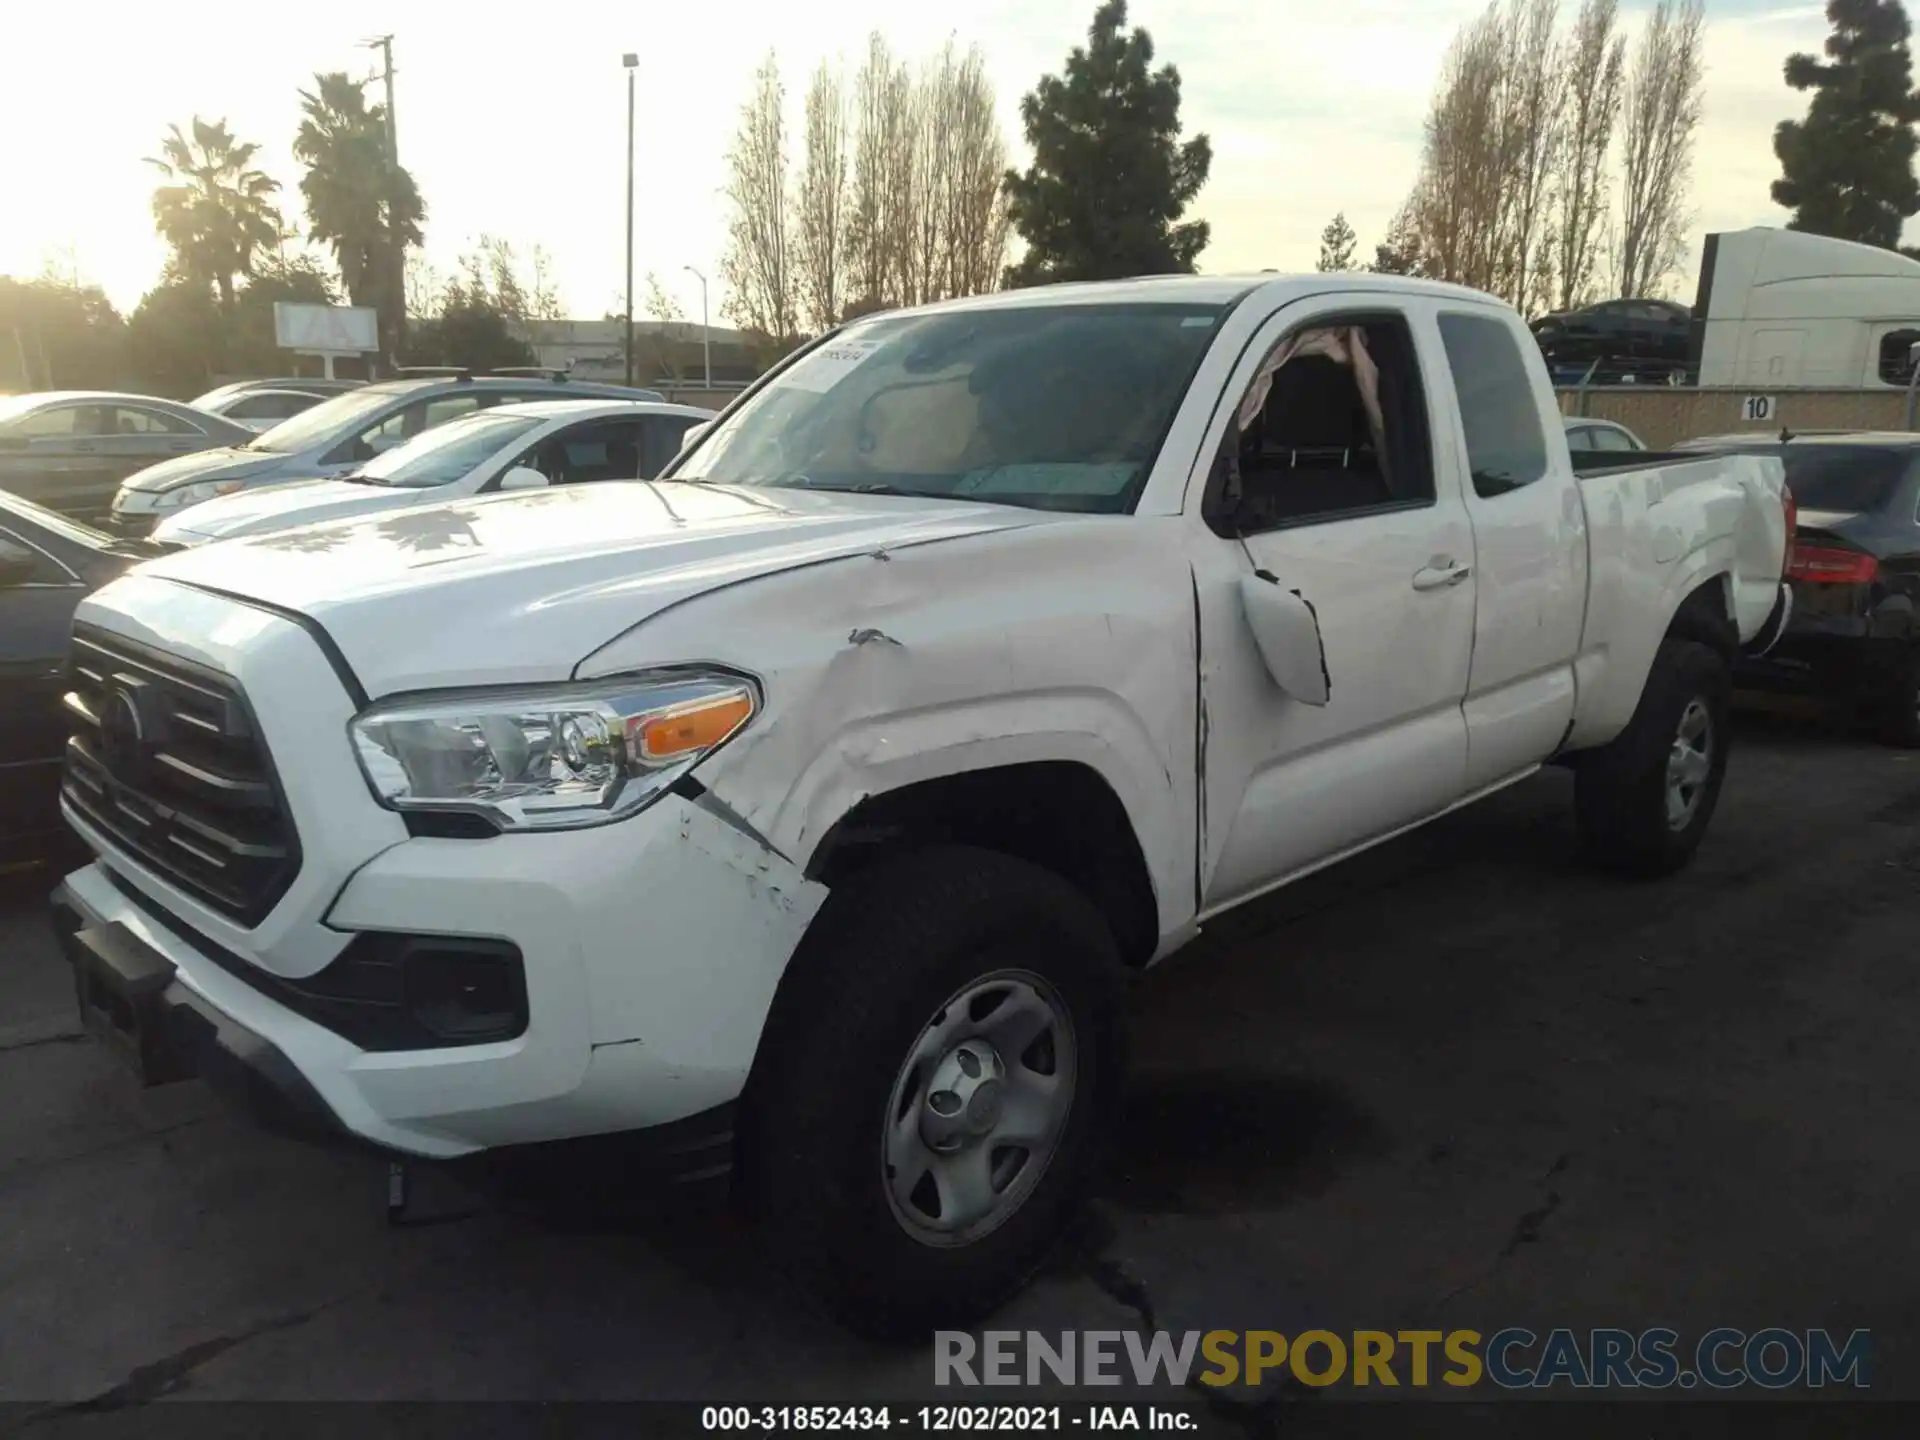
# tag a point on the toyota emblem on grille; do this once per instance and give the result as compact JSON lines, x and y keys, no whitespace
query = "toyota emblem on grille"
{"x":122,"y":737}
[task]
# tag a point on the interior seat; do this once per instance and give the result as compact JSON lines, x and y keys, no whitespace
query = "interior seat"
{"x":1311,"y":450}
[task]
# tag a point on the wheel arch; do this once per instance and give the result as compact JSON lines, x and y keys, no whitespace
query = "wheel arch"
{"x":1062,"y":815}
{"x":1697,"y":603}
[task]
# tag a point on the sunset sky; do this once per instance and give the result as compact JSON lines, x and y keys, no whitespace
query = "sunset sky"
{"x":513,"y":118}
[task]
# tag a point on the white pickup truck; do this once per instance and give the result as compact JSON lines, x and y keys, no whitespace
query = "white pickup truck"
{"x":797,"y":817}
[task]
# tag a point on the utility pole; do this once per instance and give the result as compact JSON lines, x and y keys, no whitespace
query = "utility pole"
{"x":706,"y":334}
{"x":396,"y":281}
{"x":630,"y":61}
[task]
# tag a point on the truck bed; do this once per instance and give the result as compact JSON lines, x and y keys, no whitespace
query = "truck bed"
{"x":1658,"y":527}
{"x":1605,"y":462}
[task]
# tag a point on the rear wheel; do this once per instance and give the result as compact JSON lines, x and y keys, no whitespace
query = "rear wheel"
{"x":935,"y":1087}
{"x":1643,"y":802}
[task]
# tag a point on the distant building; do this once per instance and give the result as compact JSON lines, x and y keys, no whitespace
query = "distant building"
{"x":668,"y":352}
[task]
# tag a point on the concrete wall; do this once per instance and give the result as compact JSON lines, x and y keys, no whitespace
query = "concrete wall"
{"x":715,"y":399}
{"x":1661,"y":415}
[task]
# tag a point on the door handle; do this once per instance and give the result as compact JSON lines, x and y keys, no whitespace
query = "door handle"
{"x":1439,"y":577}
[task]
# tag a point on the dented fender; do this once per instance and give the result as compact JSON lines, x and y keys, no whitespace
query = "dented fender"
{"x":1069,"y":640}
{"x":1657,"y":535}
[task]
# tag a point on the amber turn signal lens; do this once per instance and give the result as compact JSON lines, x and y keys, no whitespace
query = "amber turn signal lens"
{"x":686,"y":729}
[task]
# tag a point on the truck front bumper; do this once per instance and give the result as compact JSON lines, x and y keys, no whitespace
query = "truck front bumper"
{"x":131,"y":999}
{"x":651,"y":950}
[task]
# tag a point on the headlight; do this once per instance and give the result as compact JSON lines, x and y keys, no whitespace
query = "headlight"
{"x":194,"y":494}
{"x":556,"y":758}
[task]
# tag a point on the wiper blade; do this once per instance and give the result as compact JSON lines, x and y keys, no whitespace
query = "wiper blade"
{"x":880,"y":489}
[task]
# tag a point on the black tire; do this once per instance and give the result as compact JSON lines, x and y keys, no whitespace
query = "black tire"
{"x":1899,"y":706}
{"x":889,"y":949}
{"x":1621,"y":793}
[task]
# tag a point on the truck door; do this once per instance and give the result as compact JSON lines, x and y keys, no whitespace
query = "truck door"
{"x":1530,"y":547}
{"x":1319,"y":472}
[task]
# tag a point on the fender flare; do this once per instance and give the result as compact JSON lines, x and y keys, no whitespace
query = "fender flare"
{"x":955,"y":741}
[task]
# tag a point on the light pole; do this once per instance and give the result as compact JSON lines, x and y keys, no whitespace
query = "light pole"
{"x":631,"y":61}
{"x":395,"y":280}
{"x":1913,"y":381}
{"x":706,"y":337}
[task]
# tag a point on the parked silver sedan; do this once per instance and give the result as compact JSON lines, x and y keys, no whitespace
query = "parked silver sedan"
{"x":262,"y":404}
{"x":69,"y":449}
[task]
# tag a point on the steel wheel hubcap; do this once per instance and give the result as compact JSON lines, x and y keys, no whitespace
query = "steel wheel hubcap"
{"x":978,"y":1108}
{"x":1689,"y":764}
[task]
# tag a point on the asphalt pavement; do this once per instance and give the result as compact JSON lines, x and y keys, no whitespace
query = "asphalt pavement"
{"x":1458,"y":1082}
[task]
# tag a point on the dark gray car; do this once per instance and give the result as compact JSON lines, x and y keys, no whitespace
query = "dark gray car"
{"x":335,"y":437}
{"x":69,"y":449}
{"x":1854,"y":570}
{"x":47,"y":565}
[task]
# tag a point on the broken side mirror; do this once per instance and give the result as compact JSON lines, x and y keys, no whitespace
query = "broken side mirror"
{"x":1288,"y":634}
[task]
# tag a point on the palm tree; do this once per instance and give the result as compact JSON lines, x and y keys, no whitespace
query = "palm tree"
{"x":216,"y":211}
{"x":358,"y":201}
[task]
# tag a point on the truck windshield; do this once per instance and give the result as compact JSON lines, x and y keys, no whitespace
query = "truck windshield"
{"x":1050,"y":406}
{"x":1856,"y":479}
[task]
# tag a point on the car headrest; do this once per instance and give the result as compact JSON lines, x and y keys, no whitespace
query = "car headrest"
{"x":1314,"y":404}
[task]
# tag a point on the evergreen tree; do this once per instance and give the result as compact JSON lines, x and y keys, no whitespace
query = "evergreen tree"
{"x":1337,"y":244}
{"x":1847,"y":169}
{"x":1110,"y":178}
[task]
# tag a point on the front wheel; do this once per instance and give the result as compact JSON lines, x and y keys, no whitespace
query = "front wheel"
{"x":1643,"y":802}
{"x":935,"y":1089}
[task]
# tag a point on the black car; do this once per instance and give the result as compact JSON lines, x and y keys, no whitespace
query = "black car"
{"x":1854,"y":571}
{"x":69,"y":449}
{"x":47,"y":563}
{"x":1623,"y":336}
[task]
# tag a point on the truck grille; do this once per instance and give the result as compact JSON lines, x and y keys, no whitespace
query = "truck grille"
{"x":166,"y":761}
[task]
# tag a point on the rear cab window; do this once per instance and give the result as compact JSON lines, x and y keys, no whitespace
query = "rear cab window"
{"x":1499,"y":415}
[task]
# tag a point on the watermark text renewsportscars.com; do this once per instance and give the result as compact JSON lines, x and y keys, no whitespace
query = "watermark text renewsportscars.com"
{"x":1513,"y":1358}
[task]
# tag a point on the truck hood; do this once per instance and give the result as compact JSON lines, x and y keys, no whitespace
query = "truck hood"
{"x":515,"y":588}
{"x":277,"y":506}
{"x":221,"y":464}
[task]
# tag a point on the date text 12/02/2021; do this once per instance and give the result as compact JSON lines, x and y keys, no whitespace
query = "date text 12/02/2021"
{"x":942,"y":1419}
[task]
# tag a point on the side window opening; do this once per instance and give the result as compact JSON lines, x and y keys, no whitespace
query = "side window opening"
{"x":1896,"y":364}
{"x":600,"y":450}
{"x":45,"y":570}
{"x":663,"y":435}
{"x":1505,"y":447}
{"x":1333,"y":426}
{"x":130,"y":421}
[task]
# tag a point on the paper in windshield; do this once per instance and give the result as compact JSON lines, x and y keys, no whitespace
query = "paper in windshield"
{"x":827,"y":366}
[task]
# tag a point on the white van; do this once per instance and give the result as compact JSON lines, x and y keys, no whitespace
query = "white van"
{"x":1783,"y":310}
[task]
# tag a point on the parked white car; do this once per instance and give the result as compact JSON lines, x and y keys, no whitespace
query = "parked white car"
{"x":808,"y":807}
{"x":259,"y":407}
{"x":511,"y":447}
{"x":339,"y":435}
{"x":1585,"y":436}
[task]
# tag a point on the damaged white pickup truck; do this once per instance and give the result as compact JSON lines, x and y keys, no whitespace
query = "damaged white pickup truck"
{"x":798,"y":816}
